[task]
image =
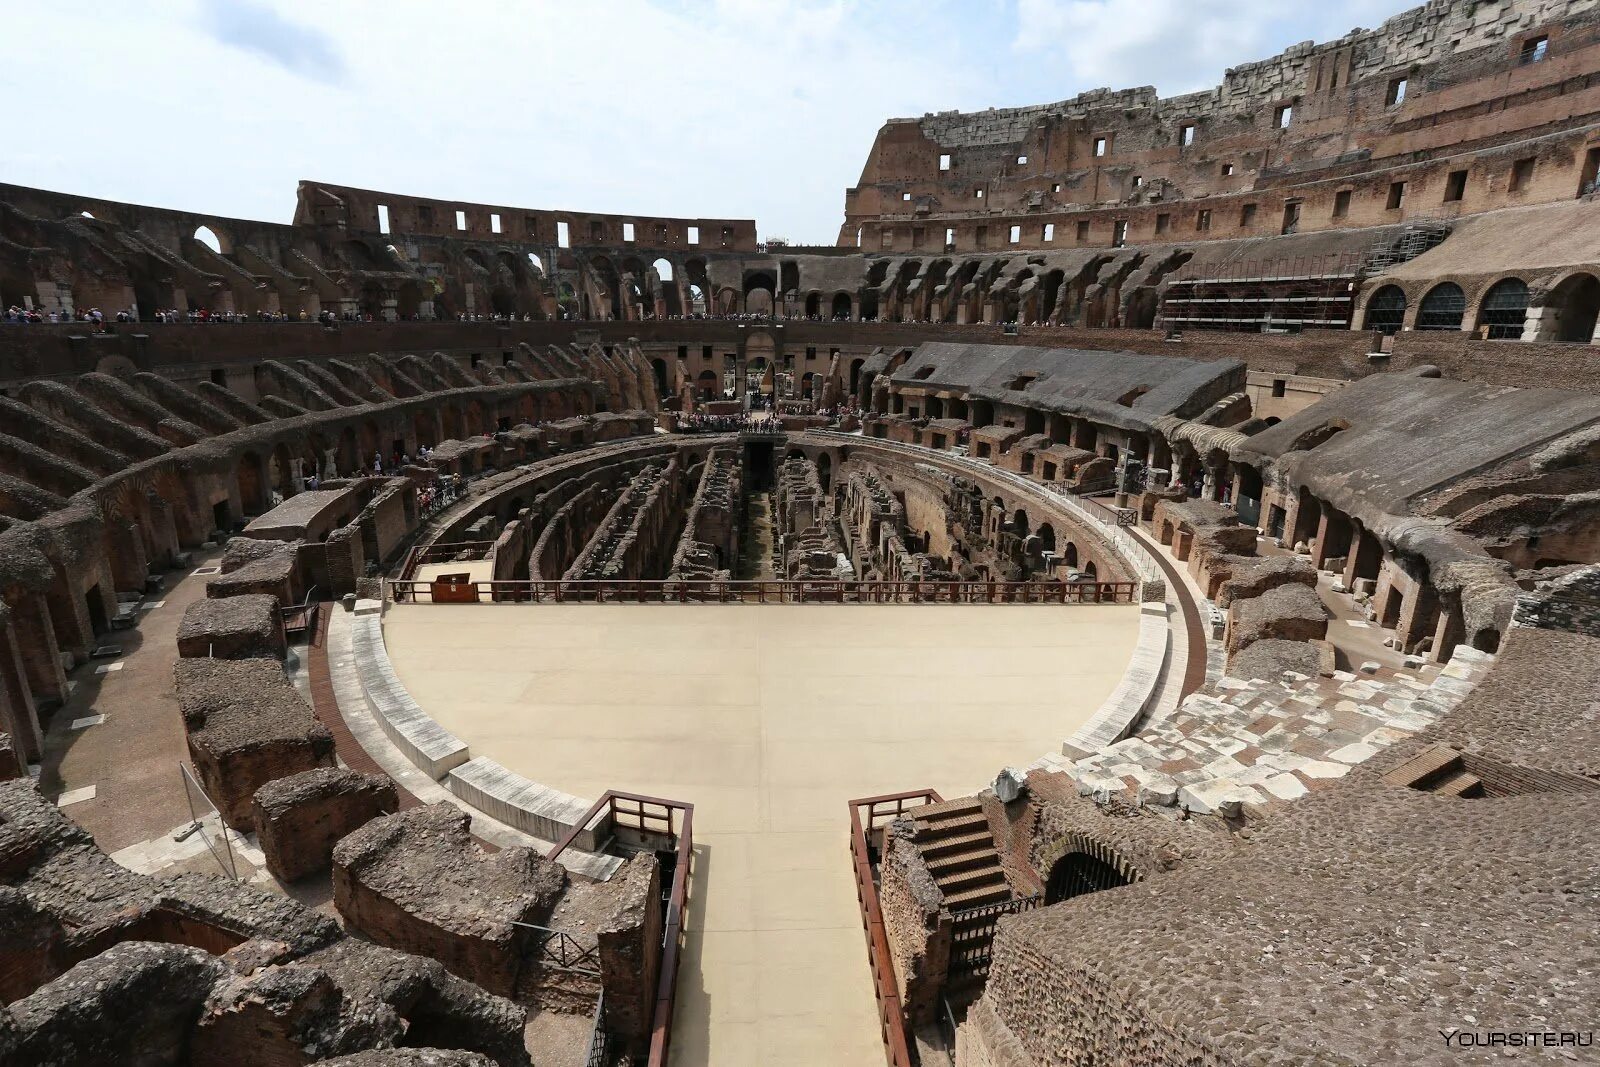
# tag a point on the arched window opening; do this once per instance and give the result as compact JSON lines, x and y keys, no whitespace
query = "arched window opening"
{"x":535,"y":263}
{"x":206,"y":237}
{"x":1442,"y":308}
{"x":663,"y":268}
{"x":1504,"y":310}
{"x":1386,"y":311}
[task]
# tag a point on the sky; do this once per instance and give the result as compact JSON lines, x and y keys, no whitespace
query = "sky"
{"x":761,"y":109}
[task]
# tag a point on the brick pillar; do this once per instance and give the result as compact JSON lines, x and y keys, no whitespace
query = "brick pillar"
{"x":17,"y":711}
{"x":36,"y":644}
{"x":1418,"y":615}
{"x":1448,"y":633}
{"x":1366,"y":556}
{"x":165,"y":530}
{"x":126,"y":552}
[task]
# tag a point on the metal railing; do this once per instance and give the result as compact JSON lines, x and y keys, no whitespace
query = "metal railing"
{"x":226,"y":858}
{"x":599,"y":1039}
{"x":559,"y":949}
{"x":972,"y":956}
{"x":439,"y":553}
{"x":866,"y":815}
{"x":649,"y":817}
{"x":780,"y":591}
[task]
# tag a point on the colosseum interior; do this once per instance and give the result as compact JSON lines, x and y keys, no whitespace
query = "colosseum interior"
{"x":1134,"y":600}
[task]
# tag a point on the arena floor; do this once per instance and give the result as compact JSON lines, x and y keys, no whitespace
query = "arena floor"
{"x":768,"y":718}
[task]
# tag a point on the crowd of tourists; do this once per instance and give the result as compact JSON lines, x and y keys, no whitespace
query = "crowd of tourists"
{"x":744,"y":422}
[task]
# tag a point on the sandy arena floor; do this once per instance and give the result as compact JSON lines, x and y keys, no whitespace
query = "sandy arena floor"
{"x":767,"y":718}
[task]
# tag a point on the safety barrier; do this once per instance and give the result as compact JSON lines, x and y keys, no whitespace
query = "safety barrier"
{"x":457,"y":589}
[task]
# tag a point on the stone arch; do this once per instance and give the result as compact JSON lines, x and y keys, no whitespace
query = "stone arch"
{"x":1047,"y":537}
{"x":212,"y":239}
{"x":1086,"y":866}
{"x":1070,"y":555}
{"x":1576,"y":302}
{"x":843,"y":306}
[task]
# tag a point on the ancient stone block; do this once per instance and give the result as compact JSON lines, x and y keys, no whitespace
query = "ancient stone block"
{"x":1254,"y":576}
{"x":1289,"y":612}
{"x":247,"y":726}
{"x":629,"y":939}
{"x":1269,"y":659}
{"x":235,"y":627}
{"x":134,"y":1003}
{"x":416,"y":881}
{"x":299,"y":819}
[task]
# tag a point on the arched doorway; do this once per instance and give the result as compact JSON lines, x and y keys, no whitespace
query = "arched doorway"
{"x":841,"y":305}
{"x":1577,"y":302}
{"x":1078,"y":873}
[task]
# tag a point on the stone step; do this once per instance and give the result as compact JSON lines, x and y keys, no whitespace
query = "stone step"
{"x":955,"y":826}
{"x":979,"y":897}
{"x":954,"y":862}
{"x":1458,"y":784}
{"x":967,"y":881}
{"x":964,"y":843}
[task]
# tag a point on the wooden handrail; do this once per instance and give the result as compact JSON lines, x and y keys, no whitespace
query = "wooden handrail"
{"x":891,"y":1014}
{"x":679,"y":818}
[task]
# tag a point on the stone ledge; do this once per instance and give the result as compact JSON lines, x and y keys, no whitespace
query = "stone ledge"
{"x":1122,"y":710}
{"x":530,"y":807}
{"x":426,"y":743}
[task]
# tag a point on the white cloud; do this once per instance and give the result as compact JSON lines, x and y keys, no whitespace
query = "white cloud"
{"x":1179,"y":46}
{"x":758,"y":109}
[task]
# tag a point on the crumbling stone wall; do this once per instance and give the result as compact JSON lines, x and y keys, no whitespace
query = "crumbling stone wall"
{"x":247,"y":726}
{"x":1288,"y":612}
{"x":299,"y":818}
{"x":416,"y":881}
{"x":236,"y":627}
